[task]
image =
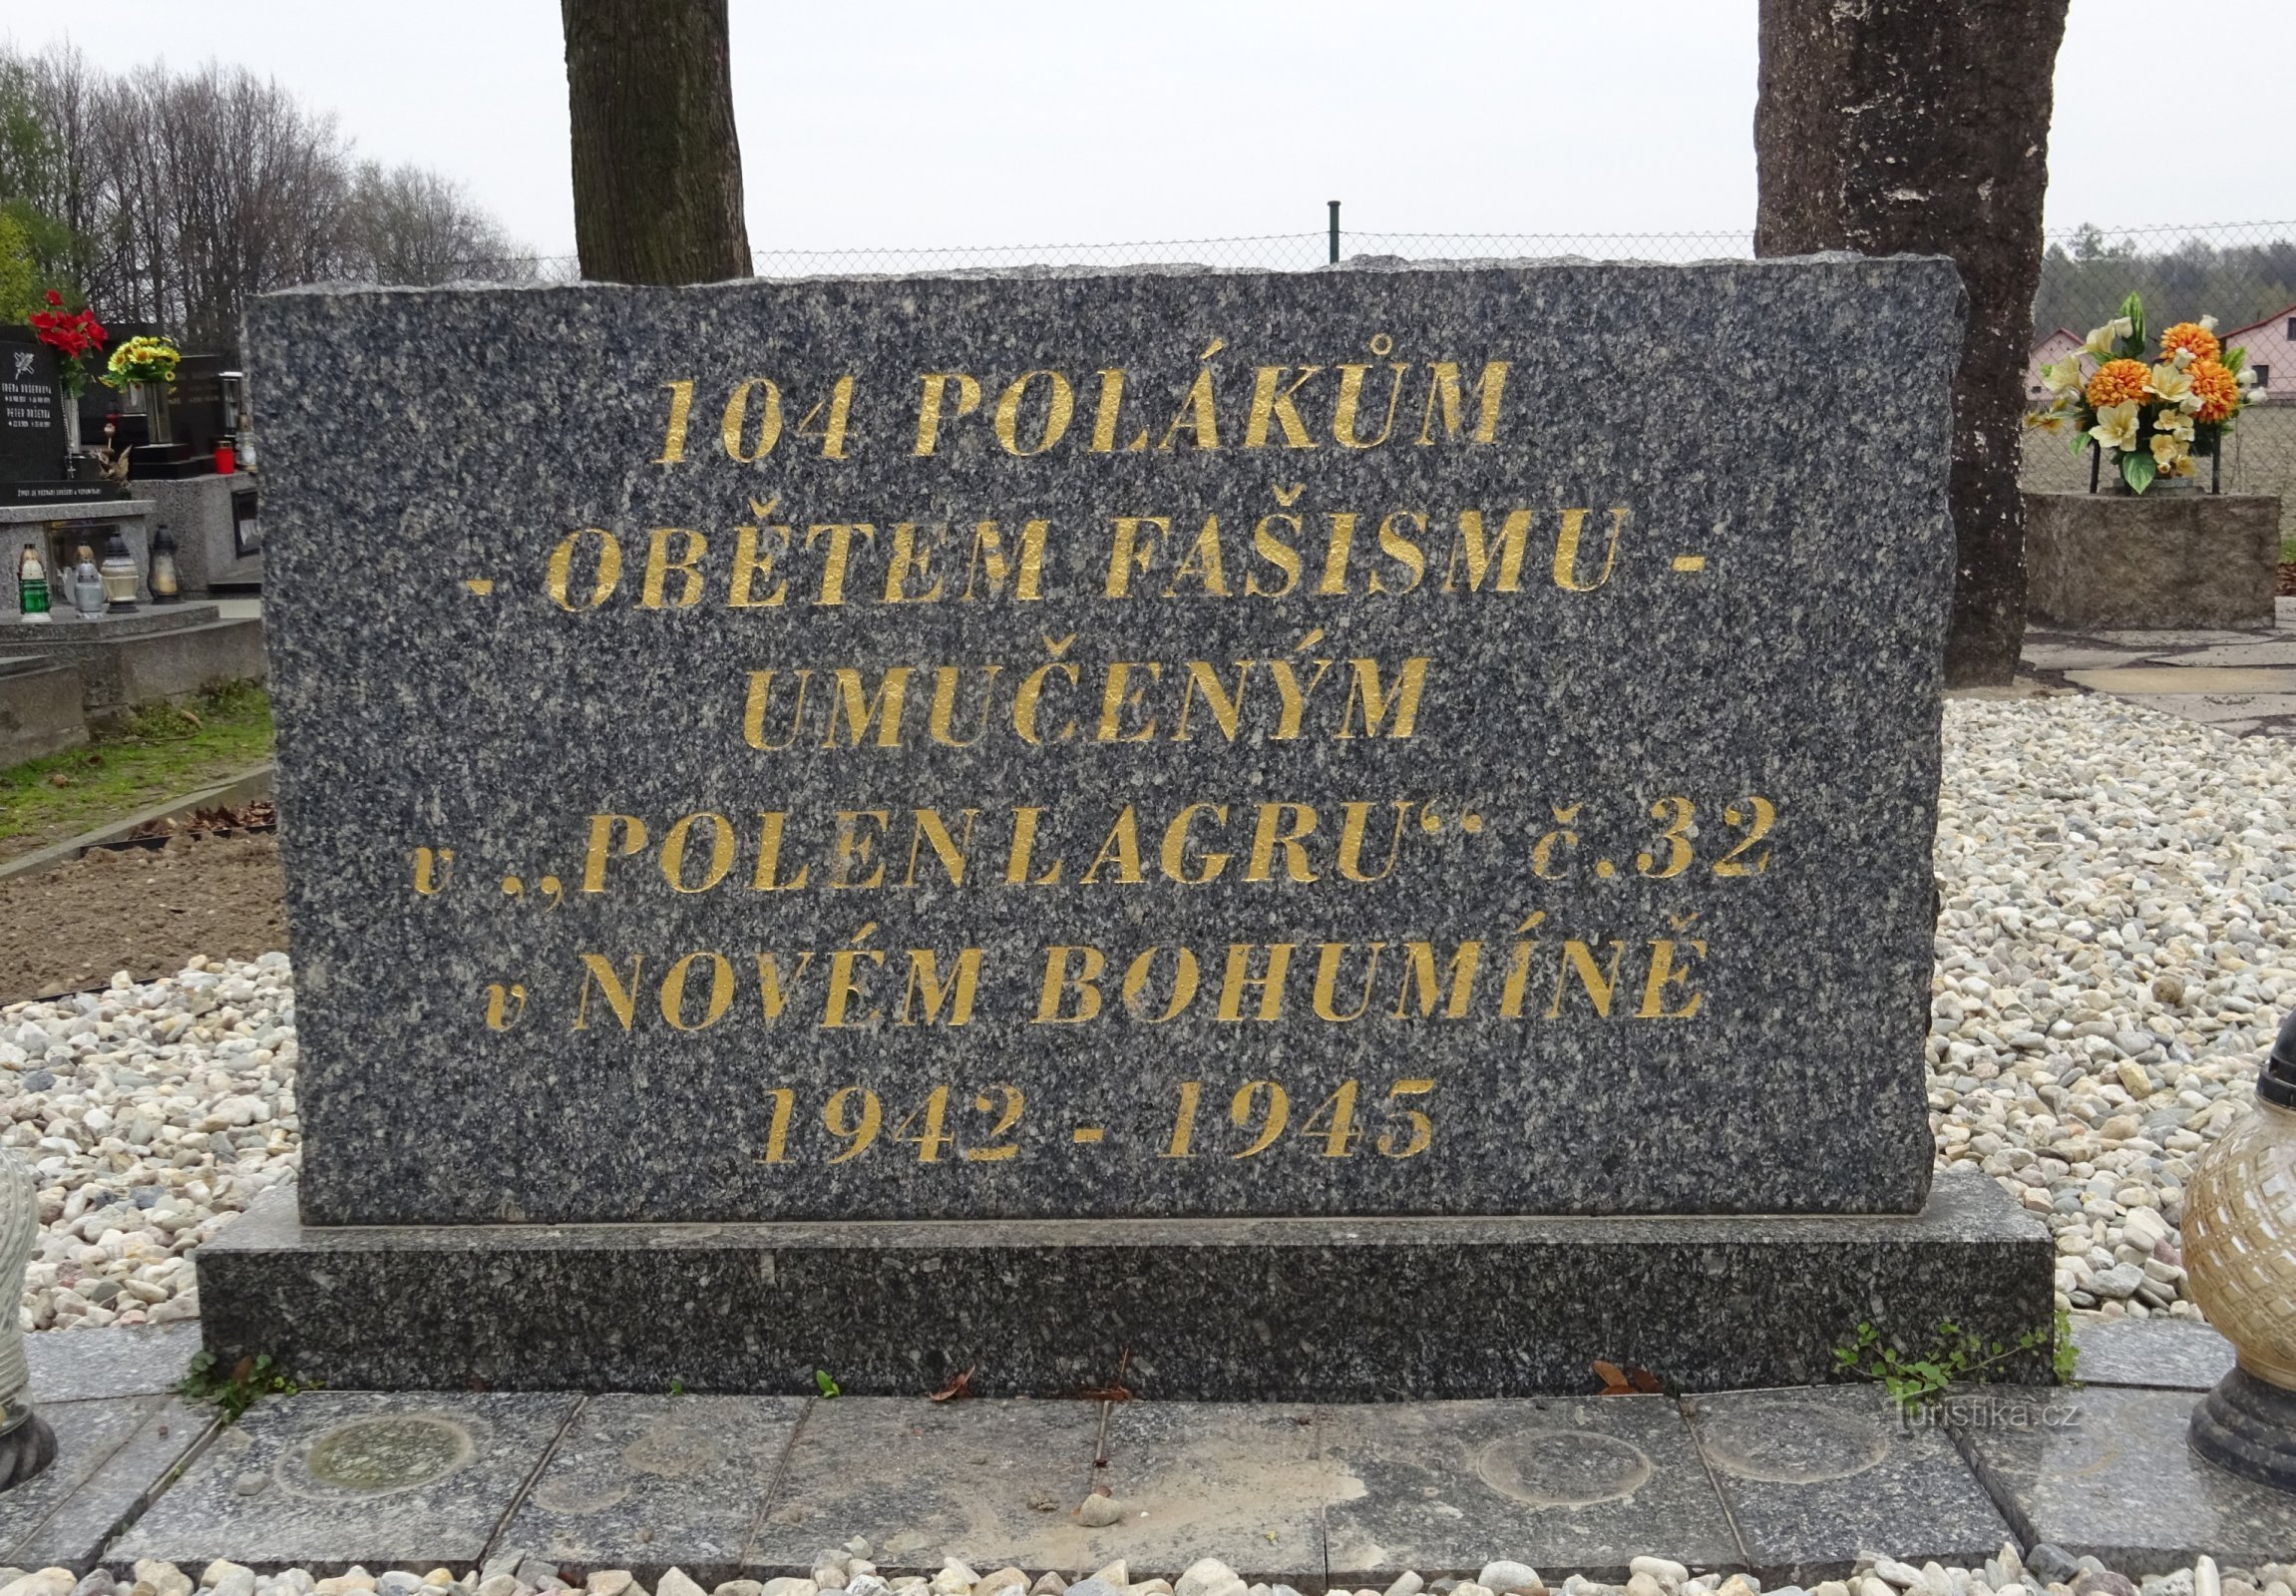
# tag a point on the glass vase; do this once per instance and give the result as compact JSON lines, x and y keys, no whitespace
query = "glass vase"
{"x":151,"y":398}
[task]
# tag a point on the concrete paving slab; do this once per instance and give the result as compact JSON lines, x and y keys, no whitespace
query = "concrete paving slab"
{"x":1816,"y":1477}
{"x":88,"y":1434}
{"x":2279,"y":651}
{"x":2169,"y":1354}
{"x":1566,"y":1485}
{"x":2074,"y":656}
{"x":2165,"y":641}
{"x":2226,"y":711}
{"x":325,"y":1479}
{"x":2131,"y":679}
{"x":2105,"y":1472}
{"x":70,"y":1365}
{"x":122,"y":1488}
{"x":993,"y":1482}
{"x":1242,"y":1483}
{"x":648,"y":1482}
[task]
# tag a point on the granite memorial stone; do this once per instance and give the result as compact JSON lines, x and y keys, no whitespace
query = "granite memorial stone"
{"x":1161,"y":746}
{"x":1381,"y":741}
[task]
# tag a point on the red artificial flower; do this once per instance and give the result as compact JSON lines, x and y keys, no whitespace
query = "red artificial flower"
{"x":54,"y":297}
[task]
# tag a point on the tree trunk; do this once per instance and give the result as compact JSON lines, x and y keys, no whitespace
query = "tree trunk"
{"x":657,"y":165}
{"x":1922,"y":127}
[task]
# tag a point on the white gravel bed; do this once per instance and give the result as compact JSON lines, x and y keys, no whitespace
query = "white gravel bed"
{"x":151,"y":1115}
{"x":2116,"y":947}
{"x":2045,"y":1570}
{"x":2117,"y":944}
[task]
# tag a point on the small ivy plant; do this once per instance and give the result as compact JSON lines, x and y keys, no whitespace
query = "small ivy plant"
{"x":237,"y":1388}
{"x":825,"y":1383}
{"x":1916,"y":1380}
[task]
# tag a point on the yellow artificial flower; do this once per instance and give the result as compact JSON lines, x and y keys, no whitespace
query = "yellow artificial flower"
{"x":2173,"y":386}
{"x":2168,"y":449}
{"x":2176,"y":423}
{"x":2099,"y":343}
{"x":2116,"y":425}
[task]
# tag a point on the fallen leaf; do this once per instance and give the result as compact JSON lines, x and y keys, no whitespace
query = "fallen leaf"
{"x":954,"y":1388}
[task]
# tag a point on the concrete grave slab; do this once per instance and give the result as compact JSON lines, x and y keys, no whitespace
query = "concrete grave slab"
{"x":1566,"y":1485}
{"x":1245,"y":1483}
{"x":2106,"y":1472}
{"x":121,"y":1487}
{"x":325,"y":1479}
{"x":2173,"y":1354}
{"x":649,"y":1482}
{"x":1816,"y":1477}
{"x":993,"y":1483}
{"x":88,"y":1435}
{"x":117,"y":1360}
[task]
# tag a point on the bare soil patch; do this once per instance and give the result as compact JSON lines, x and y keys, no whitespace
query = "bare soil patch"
{"x":142,"y":910}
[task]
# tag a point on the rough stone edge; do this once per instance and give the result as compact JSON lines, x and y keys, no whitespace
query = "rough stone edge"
{"x":1042,"y":270}
{"x":1335,"y":1310}
{"x":254,"y":782}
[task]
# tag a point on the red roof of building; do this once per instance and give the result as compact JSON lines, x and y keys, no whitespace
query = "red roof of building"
{"x":2253,"y":326}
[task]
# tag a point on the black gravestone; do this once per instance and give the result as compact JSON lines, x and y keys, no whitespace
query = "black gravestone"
{"x":31,"y":409}
{"x":1161,"y":745}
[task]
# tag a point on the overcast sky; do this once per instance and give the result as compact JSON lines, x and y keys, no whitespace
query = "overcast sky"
{"x":924,"y":121}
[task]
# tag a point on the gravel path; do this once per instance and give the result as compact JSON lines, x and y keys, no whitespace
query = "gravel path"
{"x":2046,"y":1569}
{"x":2117,"y":944}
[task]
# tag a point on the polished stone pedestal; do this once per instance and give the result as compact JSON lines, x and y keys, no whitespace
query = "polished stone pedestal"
{"x":1337,"y":1310}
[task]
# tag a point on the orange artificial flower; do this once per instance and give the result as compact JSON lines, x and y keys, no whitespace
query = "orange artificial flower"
{"x":2117,"y":382}
{"x":2218,"y":389}
{"x":2189,"y":335}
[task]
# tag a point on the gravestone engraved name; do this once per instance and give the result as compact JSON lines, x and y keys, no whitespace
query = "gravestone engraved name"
{"x":1433,"y":741}
{"x":31,"y":409}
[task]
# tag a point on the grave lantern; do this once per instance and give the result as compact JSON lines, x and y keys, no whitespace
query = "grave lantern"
{"x":2240,"y":1248}
{"x":119,"y":575}
{"x":32,"y":588}
{"x":85,"y":586}
{"x":26,"y":1445}
{"x":166,"y":582}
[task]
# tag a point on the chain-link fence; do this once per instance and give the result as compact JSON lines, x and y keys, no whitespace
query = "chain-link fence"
{"x":2242,"y":273}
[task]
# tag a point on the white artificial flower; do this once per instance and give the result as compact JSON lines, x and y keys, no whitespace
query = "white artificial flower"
{"x":2116,"y":426}
{"x":2207,"y":323}
{"x":2062,"y":378}
{"x":2170,"y":383}
{"x":2120,"y":326}
{"x":2098,"y":342}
